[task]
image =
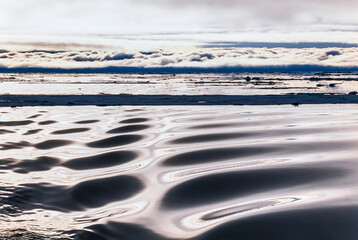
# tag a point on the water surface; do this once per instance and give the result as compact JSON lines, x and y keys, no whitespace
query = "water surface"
{"x":179,"y":172}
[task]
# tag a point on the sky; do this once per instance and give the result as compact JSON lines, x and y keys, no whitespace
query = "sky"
{"x":177,"y":33}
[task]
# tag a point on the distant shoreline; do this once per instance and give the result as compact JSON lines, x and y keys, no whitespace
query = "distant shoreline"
{"x":191,"y":70}
{"x":161,"y":100}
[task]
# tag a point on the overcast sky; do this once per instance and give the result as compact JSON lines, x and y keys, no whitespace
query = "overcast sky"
{"x":136,"y":16}
{"x":173,"y":25}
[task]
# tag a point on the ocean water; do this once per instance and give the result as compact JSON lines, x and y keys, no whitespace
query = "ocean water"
{"x":179,"y":172}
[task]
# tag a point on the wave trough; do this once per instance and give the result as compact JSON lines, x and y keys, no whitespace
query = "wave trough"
{"x":176,"y":172}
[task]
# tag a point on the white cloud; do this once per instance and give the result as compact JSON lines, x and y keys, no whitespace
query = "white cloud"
{"x":205,"y":58}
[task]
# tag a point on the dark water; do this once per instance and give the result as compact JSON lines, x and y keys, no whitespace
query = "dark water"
{"x":181,"y":172}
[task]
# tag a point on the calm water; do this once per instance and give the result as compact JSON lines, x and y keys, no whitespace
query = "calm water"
{"x":181,"y":172}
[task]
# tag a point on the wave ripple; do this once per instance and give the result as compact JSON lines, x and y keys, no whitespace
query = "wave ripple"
{"x":198,"y":173}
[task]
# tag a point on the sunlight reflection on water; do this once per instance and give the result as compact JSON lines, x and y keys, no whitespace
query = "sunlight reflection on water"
{"x":177,"y":172}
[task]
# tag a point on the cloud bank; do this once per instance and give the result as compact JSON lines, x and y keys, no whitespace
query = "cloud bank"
{"x":209,"y":58}
{"x":210,"y":34}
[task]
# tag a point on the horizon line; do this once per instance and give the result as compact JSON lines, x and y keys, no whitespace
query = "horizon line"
{"x":174,"y":70}
{"x":165,"y":99}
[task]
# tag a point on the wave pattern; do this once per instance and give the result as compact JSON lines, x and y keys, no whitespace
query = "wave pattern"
{"x":199,"y":172}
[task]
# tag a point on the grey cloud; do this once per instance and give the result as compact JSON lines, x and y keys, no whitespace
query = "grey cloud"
{"x":207,"y":55}
{"x":201,"y":57}
{"x":42,"y":51}
{"x":196,"y":59}
{"x":85,"y":59}
{"x":166,"y":62}
{"x":95,"y":56}
{"x":149,"y":53}
{"x":118,"y":56}
{"x":333,"y":53}
{"x":329,"y":53}
{"x":156,"y":55}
